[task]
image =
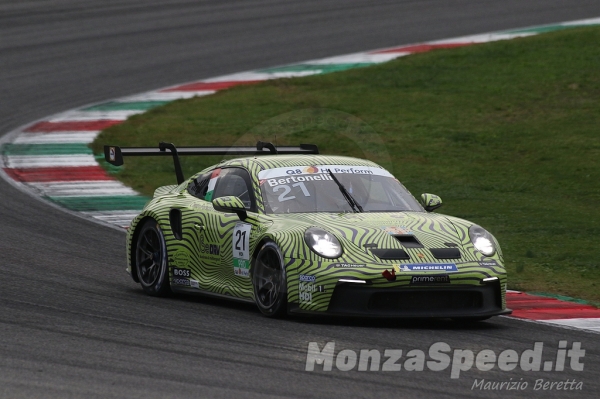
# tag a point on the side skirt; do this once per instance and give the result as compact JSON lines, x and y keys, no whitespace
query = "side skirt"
{"x":194,"y":291}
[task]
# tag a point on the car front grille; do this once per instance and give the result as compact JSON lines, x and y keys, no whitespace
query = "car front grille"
{"x":426,"y":301}
{"x":454,"y":301}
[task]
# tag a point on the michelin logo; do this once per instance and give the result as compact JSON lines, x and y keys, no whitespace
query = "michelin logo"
{"x":428,"y":267}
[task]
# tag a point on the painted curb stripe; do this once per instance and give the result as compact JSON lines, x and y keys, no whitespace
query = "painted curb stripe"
{"x":119,"y":218}
{"x":58,"y":174}
{"x":168,"y":96}
{"x":59,"y":137}
{"x":553,"y":311}
{"x":102,"y":203}
{"x":484,"y":38}
{"x":71,"y":126}
{"x":46,"y":149}
{"x":126,"y":106}
{"x":590,"y":324}
{"x":83,"y":188}
{"x":583,"y":22}
{"x":256,"y":77}
{"x":360,"y":58}
{"x":34,"y":161}
{"x":92,"y":116}
{"x":316,"y":68}
{"x":423,"y":48}
{"x":202,"y":86}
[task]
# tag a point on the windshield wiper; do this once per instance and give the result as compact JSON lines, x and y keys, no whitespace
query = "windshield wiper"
{"x":353,"y":204}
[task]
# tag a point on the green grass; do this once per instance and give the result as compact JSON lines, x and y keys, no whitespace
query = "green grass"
{"x":507,"y":133}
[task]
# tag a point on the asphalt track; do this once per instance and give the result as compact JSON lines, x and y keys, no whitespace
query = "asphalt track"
{"x":72,"y":324}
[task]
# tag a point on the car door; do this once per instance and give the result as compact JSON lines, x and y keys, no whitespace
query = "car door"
{"x":196,"y":253}
{"x":234,"y":235}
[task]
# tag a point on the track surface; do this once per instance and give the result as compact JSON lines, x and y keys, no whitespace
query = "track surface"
{"x":72,"y":324}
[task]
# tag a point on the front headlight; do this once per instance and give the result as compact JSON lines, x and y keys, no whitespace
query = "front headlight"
{"x":482,"y":240}
{"x":323,"y":243}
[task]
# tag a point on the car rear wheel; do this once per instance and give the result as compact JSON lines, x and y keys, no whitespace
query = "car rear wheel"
{"x":269,"y":281}
{"x":151,"y":259}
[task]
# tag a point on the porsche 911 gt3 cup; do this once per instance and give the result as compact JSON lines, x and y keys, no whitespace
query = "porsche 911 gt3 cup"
{"x":296,"y":232}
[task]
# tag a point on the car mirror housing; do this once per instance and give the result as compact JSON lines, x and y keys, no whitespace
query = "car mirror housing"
{"x":431,"y":201}
{"x":230,"y":203}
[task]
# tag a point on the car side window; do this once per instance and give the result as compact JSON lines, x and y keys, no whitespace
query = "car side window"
{"x":236,"y":182}
{"x":199,"y":186}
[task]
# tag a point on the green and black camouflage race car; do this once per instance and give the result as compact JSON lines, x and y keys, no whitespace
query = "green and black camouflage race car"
{"x":299,"y":232}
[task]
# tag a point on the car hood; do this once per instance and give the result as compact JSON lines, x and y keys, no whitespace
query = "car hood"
{"x":382,"y":229}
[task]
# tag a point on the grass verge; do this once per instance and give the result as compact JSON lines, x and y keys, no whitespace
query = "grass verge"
{"x":507,"y":133}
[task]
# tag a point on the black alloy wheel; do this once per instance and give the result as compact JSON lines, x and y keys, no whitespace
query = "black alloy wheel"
{"x":151,"y":259}
{"x":269,"y":281}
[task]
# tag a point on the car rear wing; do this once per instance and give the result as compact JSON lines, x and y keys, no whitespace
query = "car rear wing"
{"x":114,"y":154}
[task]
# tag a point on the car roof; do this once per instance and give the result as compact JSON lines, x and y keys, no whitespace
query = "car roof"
{"x":279,"y":161}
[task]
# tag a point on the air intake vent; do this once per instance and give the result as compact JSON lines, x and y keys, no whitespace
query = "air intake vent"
{"x":446,"y":253}
{"x":409,"y":241}
{"x":390,"y":254}
{"x":175,"y":219}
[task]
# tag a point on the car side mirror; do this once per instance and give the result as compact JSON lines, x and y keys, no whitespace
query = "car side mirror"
{"x":431,"y":201}
{"x":230,"y":203}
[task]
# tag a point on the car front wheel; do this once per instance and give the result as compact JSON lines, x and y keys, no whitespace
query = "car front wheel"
{"x":269,"y":281}
{"x":151,"y":259}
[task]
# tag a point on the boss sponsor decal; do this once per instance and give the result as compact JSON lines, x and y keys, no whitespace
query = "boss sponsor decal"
{"x":181,"y":281}
{"x":440,"y":279}
{"x":348,"y":265}
{"x":241,"y":251}
{"x":181,"y":259}
{"x":177,"y":272}
{"x":427,"y":267}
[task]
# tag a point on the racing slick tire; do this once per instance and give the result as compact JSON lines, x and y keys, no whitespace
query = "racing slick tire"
{"x":269,"y":281}
{"x":151,"y":259}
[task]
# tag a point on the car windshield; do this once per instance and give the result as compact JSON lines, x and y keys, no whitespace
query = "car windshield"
{"x":302,"y":189}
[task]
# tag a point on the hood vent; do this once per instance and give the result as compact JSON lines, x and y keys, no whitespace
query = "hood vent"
{"x":408,"y":241}
{"x":390,"y":254}
{"x":446,"y":253}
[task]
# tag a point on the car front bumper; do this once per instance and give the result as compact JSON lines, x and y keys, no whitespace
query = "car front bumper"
{"x":456,"y":301}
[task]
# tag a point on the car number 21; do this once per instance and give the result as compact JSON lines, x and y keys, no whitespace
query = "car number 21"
{"x":241,"y":251}
{"x":286,"y":190}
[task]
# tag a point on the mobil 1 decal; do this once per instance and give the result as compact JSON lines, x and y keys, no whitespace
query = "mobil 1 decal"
{"x":306,"y":288}
{"x":241,"y":252}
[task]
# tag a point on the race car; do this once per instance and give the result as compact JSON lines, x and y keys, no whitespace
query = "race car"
{"x":296,"y":232}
